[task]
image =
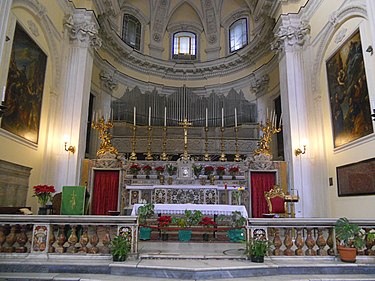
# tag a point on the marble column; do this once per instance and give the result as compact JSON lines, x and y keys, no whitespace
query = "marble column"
{"x":291,"y":35}
{"x":5,"y":6}
{"x":81,"y":39}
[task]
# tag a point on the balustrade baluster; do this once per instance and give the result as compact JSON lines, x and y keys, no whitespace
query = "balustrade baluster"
{"x":277,"y":243}
{"x":369,"y":244}
{"x":288,"y":242}
{"x":72,"y":240}
{"x":299,"y":243}
{"x":94,"y":240}
{"x":84,"y":240}
{"x":106,"y":240}
{"x":310,"y":243}
{"x":61,"y":239}
{"x":10,"y":240}
{"x":52,"y":239}
{"x":321,"y":243}
{"x":2,"y":238}
{"x":330,"y":240}
{"x":22,"y":239}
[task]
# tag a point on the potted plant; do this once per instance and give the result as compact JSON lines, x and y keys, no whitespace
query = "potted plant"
{"x":44,"y":195}
{"x":197,"y":169}
{"x":159,"y":170}
{"x":134,"y":170}
{"x":233,"y":171}
{"x":147,"y":170}
{"x":350,"y":238}
{"x":208,"y":170}
{"x":189,"y":219}
{"x":237,"y":222}
{"x":171,"y":171}
{"x":120,"y":248}
{"x":207,"y":222}
{"x":220,"y":171}
{"x":164,"y":221}
{"x":145,"y":212}
{"x":257,"y":248}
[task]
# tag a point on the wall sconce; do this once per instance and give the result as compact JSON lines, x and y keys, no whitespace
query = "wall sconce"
{"x":373,"y":115}
{"x":71,"y":148}
{"x":370,"y":50}
{"x":298,"y":151}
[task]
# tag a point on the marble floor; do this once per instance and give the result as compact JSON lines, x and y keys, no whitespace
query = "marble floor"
{"x":187,"y":261}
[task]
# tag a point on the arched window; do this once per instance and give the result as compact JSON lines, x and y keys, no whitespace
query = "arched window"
{"x":238,"y":35}
{"x":131,"y":32}
{"x":184,"y":45}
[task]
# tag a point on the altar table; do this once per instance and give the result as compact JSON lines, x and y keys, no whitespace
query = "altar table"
{"x":206,"y":209}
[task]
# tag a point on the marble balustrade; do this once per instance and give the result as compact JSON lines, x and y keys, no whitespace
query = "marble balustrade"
{"x":305,"y":236}
{"x":64,"y":234}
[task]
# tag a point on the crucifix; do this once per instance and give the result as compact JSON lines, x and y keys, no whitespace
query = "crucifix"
{"x":185,"y":125}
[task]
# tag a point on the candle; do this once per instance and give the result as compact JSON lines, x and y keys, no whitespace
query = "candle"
{"x":3,"y":94}
{"x":235,"y":116}
{"x":222,"y":117}
{"x":134,"y":115}
{"x":165,"y":116}
{"x":206,"y":117}
{"x":93,"y":117}
{"x":267,"y":114}
{"x":149,"y":115}
{"x":281,"y":116}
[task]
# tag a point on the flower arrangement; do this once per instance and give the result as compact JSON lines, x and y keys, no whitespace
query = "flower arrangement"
{"x":207,"y":221}
{"x":208,"y":170}
{"x":220,"y":170}
{"x":134,"y":169}
{"x":233,"y":171}
{"x":164,"y":221}
{"x":197,"y":170}
{"x":43,"y":193}
{"x":159,"y":170}
{"x":171,"y":169}
{"x":147,"y":169}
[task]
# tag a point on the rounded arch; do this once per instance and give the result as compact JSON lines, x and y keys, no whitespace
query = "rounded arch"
{"x":189,"y":2}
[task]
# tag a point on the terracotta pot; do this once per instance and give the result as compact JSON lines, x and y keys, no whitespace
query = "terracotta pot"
{"x":347,"y":254}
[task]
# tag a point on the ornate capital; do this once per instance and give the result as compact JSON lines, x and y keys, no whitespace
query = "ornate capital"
{"x":290,"y":35}
{"x":82,"y":28}
{"x":108,"y":81}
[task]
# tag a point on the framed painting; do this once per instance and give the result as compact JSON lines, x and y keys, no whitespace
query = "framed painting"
{"x":356,"y":178}
{"x":24,"y":87}
{"x":348,"y":93}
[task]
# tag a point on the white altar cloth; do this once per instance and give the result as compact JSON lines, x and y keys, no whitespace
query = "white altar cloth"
{"x":206,"y":209}
{"x":218,"y":187}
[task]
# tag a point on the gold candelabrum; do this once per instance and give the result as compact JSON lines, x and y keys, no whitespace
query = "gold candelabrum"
{"x":206,"y":156}
{"x":237,"y":156}
{"x":133,"y":155}
{"x":268,"y":130}
{"x":222,"y":158}
{"x":164,"y":156}
{"x":149,"y":154}
{"x":185,"y":125}
{"x":105,"y":137}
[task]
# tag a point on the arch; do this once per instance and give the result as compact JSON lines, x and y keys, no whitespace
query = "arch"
{"x":189,"y":2}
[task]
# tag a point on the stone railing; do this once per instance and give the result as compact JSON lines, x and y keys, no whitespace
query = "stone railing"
{"x":304,"y":236}
{"x":64,"y":234}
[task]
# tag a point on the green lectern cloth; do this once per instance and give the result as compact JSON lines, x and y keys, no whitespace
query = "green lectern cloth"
{"x":73,"y":200}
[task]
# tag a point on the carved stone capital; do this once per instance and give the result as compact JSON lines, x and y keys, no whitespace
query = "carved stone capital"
{"x":258,"y":86}
{"x":290,"y":35}
{"x":108,"y":81}
{"x":82,"y":28}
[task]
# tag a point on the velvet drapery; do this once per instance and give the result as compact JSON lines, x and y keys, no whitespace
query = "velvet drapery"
{"x":260,"y":183}
{"x":105,"y":192}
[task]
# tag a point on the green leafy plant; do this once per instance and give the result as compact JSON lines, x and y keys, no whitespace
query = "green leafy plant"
{"x":351,"y":235}
{"x":237,"y":219}
{"x":197,"y":170}
{"x":145,"y":212}
{"x":257,"y":247}
{"x":120,"y":248}
{"x":171,"y":169}
{"x":189,"y":219}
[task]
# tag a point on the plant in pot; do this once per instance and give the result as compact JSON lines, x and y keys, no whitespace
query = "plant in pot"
{"x":134,"y":170}
{"x":145,"y":212}
{"x":159,"y":170}
{"x":350,"y":238}
{"x":257,"y":248}
{"x":164,"y":221}
{"x":171,"y":171}
{"x":189,"y":219}
{"x":147,"y":170}
{"x":197,"y":169}
{"x":207,"y":222}
{"x":220,"y":171}
{"x":233,"y":171}
{"x":237,"y":222}
{"x":120,"y":248}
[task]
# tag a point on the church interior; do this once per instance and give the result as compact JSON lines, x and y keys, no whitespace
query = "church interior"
{"x":262,"y":108}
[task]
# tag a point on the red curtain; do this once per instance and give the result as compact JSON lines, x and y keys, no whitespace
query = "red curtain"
{"x":105,"y":192}
{"x":260,"y":183}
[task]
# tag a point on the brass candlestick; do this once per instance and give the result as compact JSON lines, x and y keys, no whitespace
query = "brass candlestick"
{"x":185,"y":125}
{"x":206,"y":156}
{"x":105,"y":137}
{"x":133,"y":155}
{"x":222,"y":156}
{"x":149,"y":154}
{"x":264,"y":142}
{"x":164,"y":156}
{"x":237,"y":156}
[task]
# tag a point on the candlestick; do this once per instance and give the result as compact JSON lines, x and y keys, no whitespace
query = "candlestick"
{"x":281,"y":116}
{"x":222,"y":117}
{"x":235,"y":117}
{"x":149,"y":115}
{"x":206,"y":117}
{"x":165,"y":116}
{"x":3,"y":94}
{"x":134,"y":116}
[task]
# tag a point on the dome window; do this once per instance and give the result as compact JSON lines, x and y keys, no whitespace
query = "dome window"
{"x":184,"y":46}
{"x":131,"y":33}
{"x":238,"y":35}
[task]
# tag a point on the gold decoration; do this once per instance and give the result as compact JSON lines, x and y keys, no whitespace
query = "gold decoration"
{"x":149,"y":143}
{"x":237,"y":156}
{"x":222,"y":158}
{"x":164,"y":156}
{"x":185,"y":125}
{"x":133,"y":155}
{"x":105,"y":137}
{"x":264,"y":142}
{"x":206,"y":155}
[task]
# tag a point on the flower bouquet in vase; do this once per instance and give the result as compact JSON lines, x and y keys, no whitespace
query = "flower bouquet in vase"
{"x":134,"y":170}
{"x":159,"y":171}
{"x":171,"y":171}
{"x":197,"y":169}
{"x":164,"y":221}
{"x":207,"y":222}
{"x":233,"y":171}
{"x":44,"y":195}
{"x":147,"y":170}
{"x":220,"y":171}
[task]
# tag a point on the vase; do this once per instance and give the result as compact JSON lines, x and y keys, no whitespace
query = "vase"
{"x":184,"y":235}
{"x":258,"y":259}
{"x":134,"y":176}
{"x":233,"y":177}
{"x":206,"y":236}
{"x":144,"y":233}
{"x":347,"y":254}
{"x":236,"y":235}
{"x":170,"y":180}
{"x":212,"y":179}
{"x":161,"y":179}
{"x":42,"y":210}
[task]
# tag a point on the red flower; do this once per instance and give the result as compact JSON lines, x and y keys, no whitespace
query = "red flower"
{"x":43,"y":193}
{"x":233,"y":170}
{"x":147,"y":168}
{"x":159,"y":169}
{"x":207,"y":221}
{"x":208,"y":170}
{"x":164,"y":221}
{"x":134,"y":169}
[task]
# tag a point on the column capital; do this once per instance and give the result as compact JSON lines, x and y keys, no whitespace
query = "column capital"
{"x":290,"y":33}
{"x":82,"y":28}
